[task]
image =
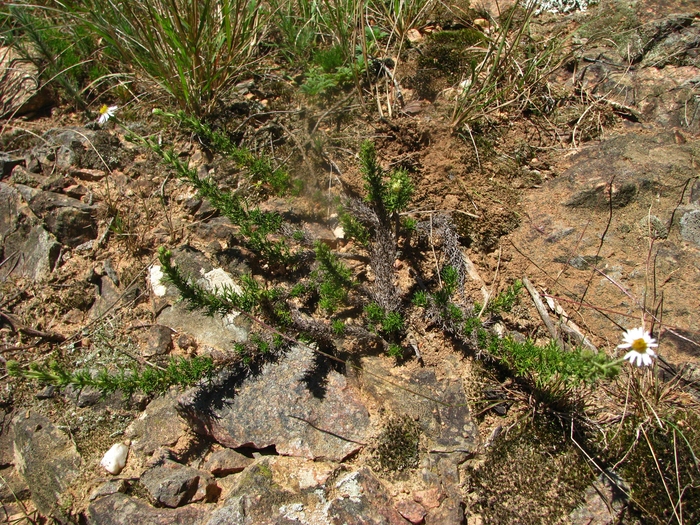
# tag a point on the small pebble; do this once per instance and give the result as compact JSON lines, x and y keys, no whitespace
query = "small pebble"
{"x":115,"y":458}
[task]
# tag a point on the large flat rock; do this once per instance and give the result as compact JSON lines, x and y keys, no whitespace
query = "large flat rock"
{"x":280,"y":407}
{"x":48,"y":461}
{"x":618,"y":217}
{"x":437,"y":404}
{"x":279,"y":490}
{"x":119,"y":509}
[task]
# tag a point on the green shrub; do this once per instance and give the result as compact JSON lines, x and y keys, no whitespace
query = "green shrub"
{"x":336,"y":279}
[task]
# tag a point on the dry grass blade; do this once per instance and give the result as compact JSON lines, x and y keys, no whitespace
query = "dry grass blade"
{"x":503,"y":74}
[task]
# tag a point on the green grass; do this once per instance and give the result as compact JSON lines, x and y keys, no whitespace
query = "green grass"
{"x":507,"y":68}
{"x":193,"y":51}
{"x":67,"y":56}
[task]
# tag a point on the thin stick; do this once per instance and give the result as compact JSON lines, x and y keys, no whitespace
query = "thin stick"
{"x":678,"y":474}
{"x":476,"y":150}
{"x":19,"y":327}
{"x":411,"y":212}
{"x":542,"y":310}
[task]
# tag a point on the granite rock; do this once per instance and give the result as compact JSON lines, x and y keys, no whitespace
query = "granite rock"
{"x":296,"y":418}
{"x":47,"y":460}
{"x":171,"y":484}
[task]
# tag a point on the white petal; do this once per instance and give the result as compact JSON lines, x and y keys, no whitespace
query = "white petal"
{"x":634,"y":357}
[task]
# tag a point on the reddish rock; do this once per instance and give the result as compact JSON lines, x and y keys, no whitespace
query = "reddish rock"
{"x":88,"y":174}
{"x":159,"y":341}
{"x":173,"y":485}
{"x":412,"y":511}
{"x":158,"y":426}
{"x":430,"y":498}
{"x":47,"y":460}
{"x":224,"y":462}
{"x":119,"y":509}
{"x":294,"y":417}
{"x":362,"y":499}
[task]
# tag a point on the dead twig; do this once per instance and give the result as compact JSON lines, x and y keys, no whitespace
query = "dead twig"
{"x":19,"y":327}
{"x":566,"y":325}
{"x":542,"y":311}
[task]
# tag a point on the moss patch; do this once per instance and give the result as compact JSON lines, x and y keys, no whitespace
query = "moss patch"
{"x":445,"y":61}
{"x":533,"y":474}
{"x":398,"y":445}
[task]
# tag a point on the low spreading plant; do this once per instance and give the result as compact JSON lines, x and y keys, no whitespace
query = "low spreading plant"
{"x":152,"y":380}
{"x":252,"y":297}
{"x":390,"y":325}
{"x":388,"y":194}
{"x":256,"y":227}
{"x":335,"y":279}
{"x":260,"y":168}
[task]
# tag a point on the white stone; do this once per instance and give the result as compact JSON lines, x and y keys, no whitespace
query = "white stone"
{"x":155,"y":276}
{"x":219,"y":279}
{"x":114,"y":459}
{"x":339,"y":232}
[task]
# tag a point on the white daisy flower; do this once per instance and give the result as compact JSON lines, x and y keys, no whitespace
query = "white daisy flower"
{"x":106,"y":113}
{"x":640,"y":344}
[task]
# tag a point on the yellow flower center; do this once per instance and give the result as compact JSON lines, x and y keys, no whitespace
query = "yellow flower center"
{"x":104,"y":109}
{"x":639,"y":345}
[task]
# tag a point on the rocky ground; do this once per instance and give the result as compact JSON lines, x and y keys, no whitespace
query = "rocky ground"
{"x":598,"y":206}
